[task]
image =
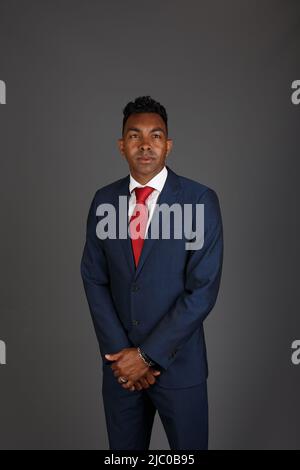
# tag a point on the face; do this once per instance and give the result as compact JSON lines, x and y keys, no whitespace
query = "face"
{"x":145,"y":145}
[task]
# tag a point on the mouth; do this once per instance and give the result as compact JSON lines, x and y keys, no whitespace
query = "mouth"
{"x":145,"y":159}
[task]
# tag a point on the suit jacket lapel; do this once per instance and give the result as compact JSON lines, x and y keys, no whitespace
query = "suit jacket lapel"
{"x":125,"y":242}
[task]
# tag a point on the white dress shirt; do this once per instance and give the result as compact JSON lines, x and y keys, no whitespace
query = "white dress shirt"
{"x":157,"y":182}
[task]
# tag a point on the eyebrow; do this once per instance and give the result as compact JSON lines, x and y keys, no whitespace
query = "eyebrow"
{"x":156,"y":129}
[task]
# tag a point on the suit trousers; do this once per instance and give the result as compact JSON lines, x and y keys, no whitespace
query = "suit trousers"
{"x":130,"y":415}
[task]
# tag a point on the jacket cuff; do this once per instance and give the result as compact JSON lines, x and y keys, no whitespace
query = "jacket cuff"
{"x":149,"y":360}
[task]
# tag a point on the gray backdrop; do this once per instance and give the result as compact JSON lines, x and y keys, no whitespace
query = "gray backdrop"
{"x":224,"y":70}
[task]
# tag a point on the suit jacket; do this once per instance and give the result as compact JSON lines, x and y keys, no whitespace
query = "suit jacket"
{"x":160,"y":305}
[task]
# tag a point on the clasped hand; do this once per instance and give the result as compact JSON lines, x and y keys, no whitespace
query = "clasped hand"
{"x":127,"y":363}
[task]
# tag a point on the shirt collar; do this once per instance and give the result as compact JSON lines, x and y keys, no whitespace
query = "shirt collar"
{"x":157,"y":182}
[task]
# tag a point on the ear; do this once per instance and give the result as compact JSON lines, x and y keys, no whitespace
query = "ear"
{"x":121,"y":146}
{"x":169,"y":146}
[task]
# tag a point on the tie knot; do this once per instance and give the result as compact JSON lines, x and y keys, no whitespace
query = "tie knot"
{"x":141,"y":194}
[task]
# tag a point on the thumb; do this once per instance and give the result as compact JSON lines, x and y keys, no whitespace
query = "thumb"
{"x":156,"y":372}
{"x":112,"y":357}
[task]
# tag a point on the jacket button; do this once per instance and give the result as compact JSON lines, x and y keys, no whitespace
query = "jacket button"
{"x":135,"y":288}
{"x":135,"y":322}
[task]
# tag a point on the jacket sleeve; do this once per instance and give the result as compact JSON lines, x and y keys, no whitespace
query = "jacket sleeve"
{"x":110,"y":332}
{"x":203,"y":274}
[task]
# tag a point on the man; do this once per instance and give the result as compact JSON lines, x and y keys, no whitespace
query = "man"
{"x":149,"y":296}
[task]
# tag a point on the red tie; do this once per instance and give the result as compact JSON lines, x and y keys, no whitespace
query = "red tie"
{"x":138,"y":228}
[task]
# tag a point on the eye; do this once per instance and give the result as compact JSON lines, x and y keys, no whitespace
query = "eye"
{"x":133,"y":136}
{"x":157,"y":136}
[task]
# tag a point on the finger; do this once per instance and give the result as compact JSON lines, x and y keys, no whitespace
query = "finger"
{"x":128,"y":384}
{"x":144,"y":382}
{"x":138,"y":386}
{"x":116,"y":373}
{"x":113,"y":357}
{"x":155,"y":372}
{"x":150,"y":379}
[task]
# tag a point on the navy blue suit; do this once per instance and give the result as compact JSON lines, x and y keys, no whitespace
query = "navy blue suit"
{"x":159,"y":306}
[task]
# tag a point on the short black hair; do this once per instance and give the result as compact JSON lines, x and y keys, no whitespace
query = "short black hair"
{"x":144,"y":104}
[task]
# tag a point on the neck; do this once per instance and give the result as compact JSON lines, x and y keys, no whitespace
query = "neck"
{"x":143,"y":179}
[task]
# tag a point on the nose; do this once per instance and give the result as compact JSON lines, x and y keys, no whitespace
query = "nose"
{"x":145,"y":145}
